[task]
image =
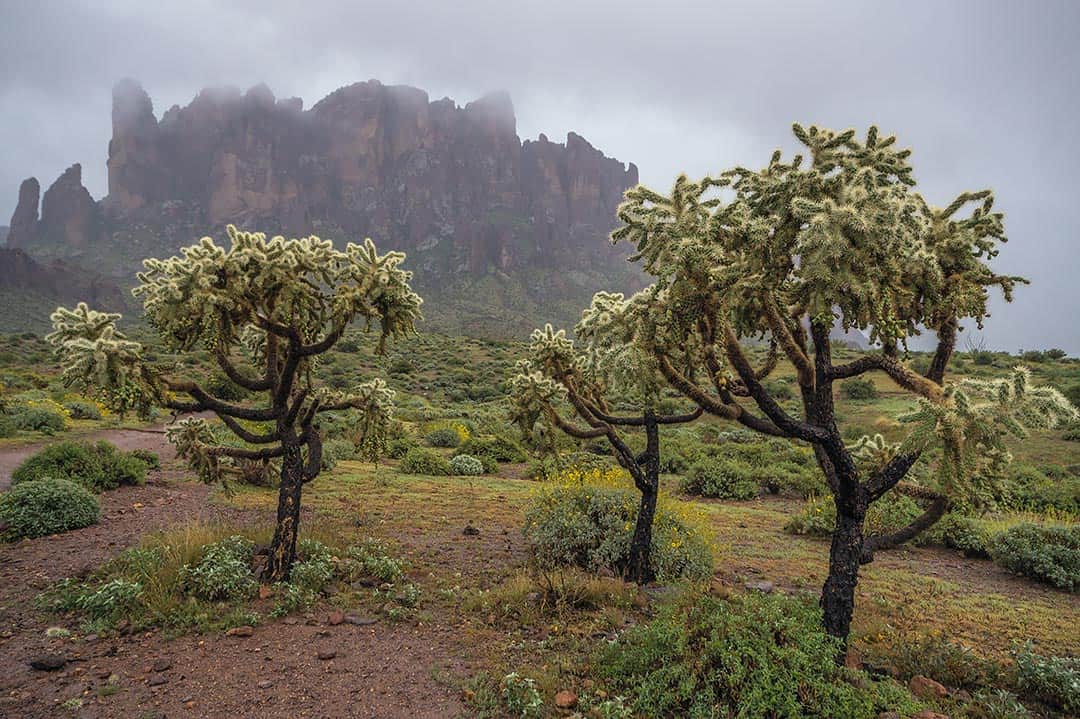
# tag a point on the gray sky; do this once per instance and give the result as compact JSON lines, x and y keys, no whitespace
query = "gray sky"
{"x":985,"y":92}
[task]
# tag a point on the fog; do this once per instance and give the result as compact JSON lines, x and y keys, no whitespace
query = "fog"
{"x":984,"y":92}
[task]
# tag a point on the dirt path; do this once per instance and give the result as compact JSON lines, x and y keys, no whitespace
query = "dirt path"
{"x":384,"y":670}
{"x":126,"y":439}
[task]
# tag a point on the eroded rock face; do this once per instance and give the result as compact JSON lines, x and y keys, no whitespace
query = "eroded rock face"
{"x":453,"y":182}
{"x":23,"y":228}
{"x":452,"y":186}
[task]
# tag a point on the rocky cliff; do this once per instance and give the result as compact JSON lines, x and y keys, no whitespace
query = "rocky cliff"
{"x":452,"y":186}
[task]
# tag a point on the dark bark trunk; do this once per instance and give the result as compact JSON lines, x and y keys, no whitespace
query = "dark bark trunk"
{"x":283,"y":546}
{"x":920,"y":524}
{"x":638,"y":569}
{"x":845,"y":554}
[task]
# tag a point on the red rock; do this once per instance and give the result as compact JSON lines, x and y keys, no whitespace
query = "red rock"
{"x":244,"y":631}
{"x":369,"y":159}
{"x":927,"y":714}
{"x":265,"y":591}
{"x":566,"y":699}
{"x":335,"y":618}
{"x":926,"y":688}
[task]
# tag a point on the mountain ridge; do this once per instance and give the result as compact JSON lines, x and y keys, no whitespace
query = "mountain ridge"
{"x":453,"y":186}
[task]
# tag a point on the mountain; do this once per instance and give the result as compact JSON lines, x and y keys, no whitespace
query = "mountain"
{"x":503,"y":235}
{"x":31,"y":290}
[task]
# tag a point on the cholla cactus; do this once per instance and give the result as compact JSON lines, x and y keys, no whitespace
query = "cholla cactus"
{"x":837,"y":236}
{"x":558,"y":375}
{"x":278,"y":304}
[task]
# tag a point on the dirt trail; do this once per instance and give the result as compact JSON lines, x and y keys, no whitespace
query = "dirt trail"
{"x":383,"y":670}
{"x":126,"y":439}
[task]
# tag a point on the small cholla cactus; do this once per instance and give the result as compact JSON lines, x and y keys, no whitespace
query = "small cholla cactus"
{"x":278,"y":304}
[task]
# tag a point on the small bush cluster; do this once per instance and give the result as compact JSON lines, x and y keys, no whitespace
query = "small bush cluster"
{"x":223,"y":573}
{"x":97,"y":467}
{"x":46,"y":506}
{"x":754,"y":656}
{"x":445,"y":437}
{"x":1054,"y":680}
{"x":78,"y":409}
{"x":421,"y":460}
{"x":859,"y":388}
{"x":500,"y":449}
{"x":39,"y":420}
{"x":466,"y":465}
{"x":586,"y":519}
{"x":399,"y":447}
{"x":722,"y":478}
{"x":550,"y":467}
{"x":199,"y":577}
{"x":1045,"y":553}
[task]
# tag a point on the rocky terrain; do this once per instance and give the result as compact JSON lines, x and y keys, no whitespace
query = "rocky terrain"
{"x":498,"y":231}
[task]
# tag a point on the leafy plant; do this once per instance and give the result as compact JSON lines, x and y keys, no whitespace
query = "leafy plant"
{"x":421,"y":460}
{"x":722,"y":478}
{"x":859,"y":389}
{"x":223,"y":572}
{"x":752,"y":656}
{"x":39,"y":420}
{"x":1055,"y":680}
{"x":1046,"y":553}
{"x":466,"y":465}
{"x":46,"y":506}
{"x":98,"y":467}
{"x":444,"y":437}
{"x":587,"y":519}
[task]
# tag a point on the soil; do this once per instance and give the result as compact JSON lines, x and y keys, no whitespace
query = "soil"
{"x":293,"y":667}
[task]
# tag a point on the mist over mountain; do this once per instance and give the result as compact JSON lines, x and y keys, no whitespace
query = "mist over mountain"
{"x":501,"y":233}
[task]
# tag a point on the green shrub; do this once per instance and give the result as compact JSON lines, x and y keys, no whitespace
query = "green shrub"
{"x":818,"y":517}
{"x":224,"y":388}
{"x":959,"y":532}
{"x":398,"y":448}
{"x":97,"y":466}
{"x":46,"y":506}
{"x":1046,"y":554}
{"x":7,"y":426}
{"x":859,"y":388}
{"x":586,"y":519}
{"x":1054,"y":680}
{"x":445,"y":437}
{"x":223,"y":572}
{"x":722,"y":478}
{"x":952,"y":664}
{"x":337,"y":450}
{"x":111,"y":600}
{"x":147,"y":457}
{"x":39,"y":420}
{"x":420,"y":460}
{"x":1071,"y":434}
{"x":753,"y":656}
{"x":466,"y":465}
{"x":83,"y":410}
{"x":550,"y":466}
{"x":501,"y":449}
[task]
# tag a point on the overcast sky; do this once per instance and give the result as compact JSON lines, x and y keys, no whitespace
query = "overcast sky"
{"x":984,"y":92}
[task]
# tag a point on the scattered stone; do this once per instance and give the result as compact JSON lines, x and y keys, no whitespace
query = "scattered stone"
{"x":470,"y":531}
{"x":852,"y":660}
{"x":566,"y":699}
{"x":90,"y":638}
{"x":763,"y":587}
{"x":533,"y":597}
{"x":336,"y":617}
{"x":888,"y":715}
{"x":606,"y":572}
{"x":265,"y":684}
{"x":291,"y":621}
{"x":162,"y":665}
{"x":927,"y":688}
{"x":326,"y":655}
{"x":157,"y":681}
{"x":244,"y":631}
{"x":48,"y":662}
{"x":265,"y":592}
{"x":359,"y":621}
{"x":123,"y":627}
{"x":927,"y":714}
